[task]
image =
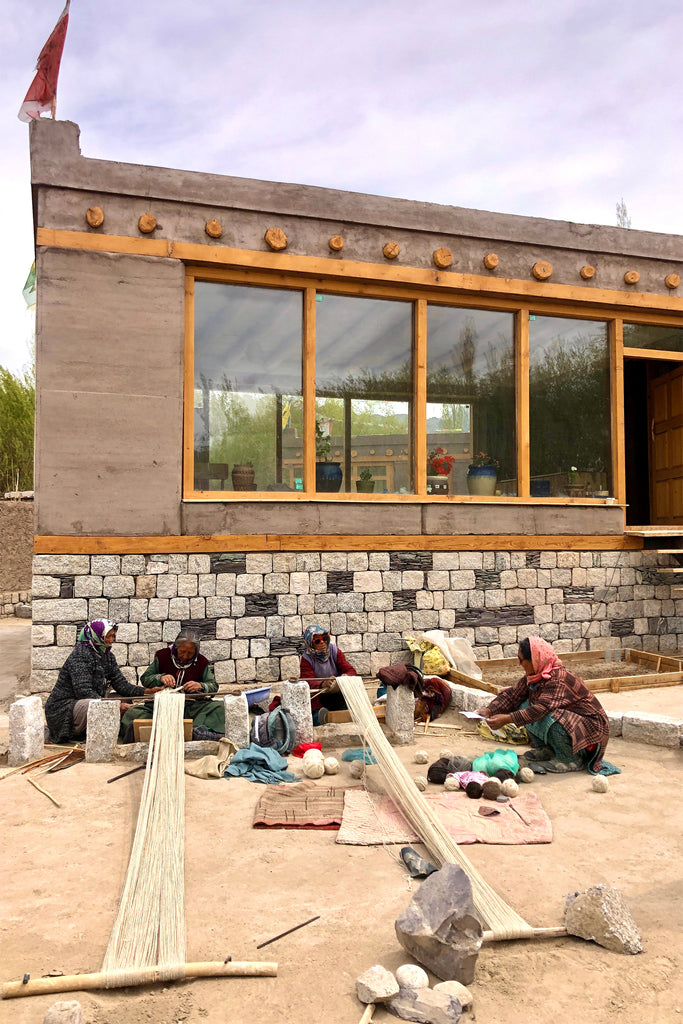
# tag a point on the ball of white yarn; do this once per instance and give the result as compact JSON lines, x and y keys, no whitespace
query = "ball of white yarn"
{"x":509,"y":788}
{"x":411,"y":976}
{"x":451,"y":783}
{"x":446,"y":752}
{"x":314,"y":769}
{"x":421,"y":782}
{"x":357,"y":769}
{"x":331,"y":765}
{"x":600,"y":784}
{"x":525,"y":774}
{"x":421,"y":757}
{"x":312,"y":755}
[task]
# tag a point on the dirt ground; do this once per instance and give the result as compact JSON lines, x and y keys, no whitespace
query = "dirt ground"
{"x":64,"y":869}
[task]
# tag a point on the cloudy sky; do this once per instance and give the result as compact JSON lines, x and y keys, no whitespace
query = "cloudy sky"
{"x":550,"y":108}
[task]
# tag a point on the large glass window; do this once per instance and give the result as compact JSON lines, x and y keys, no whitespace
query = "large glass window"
{"x":569,"y":407}
{"x":364,"y":394}
{"x":666,"y":339}
{"x":247,"y":388}
{"x":470,"y":398}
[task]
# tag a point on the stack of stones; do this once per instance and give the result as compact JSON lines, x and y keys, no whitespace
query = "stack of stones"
{"x":16,"y":602}
{"x":251,"y":609}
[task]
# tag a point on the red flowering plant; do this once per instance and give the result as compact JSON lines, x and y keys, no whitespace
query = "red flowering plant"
{"x":439,"y":463}
{"x":482,"y":459}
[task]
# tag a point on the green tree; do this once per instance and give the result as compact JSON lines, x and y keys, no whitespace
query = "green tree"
{"x":17,"y":416}
{"x":623,"y":218}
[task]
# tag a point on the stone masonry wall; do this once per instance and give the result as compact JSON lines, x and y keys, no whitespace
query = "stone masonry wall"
{"x":251,"y":609}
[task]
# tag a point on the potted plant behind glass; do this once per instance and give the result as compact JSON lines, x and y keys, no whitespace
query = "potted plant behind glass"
{"x":439,"y":466}
{"x":328,"y":475}
{"x":482,"y":474}
{"x":365,"y":483}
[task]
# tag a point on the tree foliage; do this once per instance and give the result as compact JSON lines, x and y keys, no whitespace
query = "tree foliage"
{"x":17,"y":416}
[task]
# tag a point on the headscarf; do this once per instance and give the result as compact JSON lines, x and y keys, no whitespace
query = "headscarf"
{"x":543,"y":659}
{"x":93,"y":634}
{"x":310,"y":648}
{"x":189,"y":636}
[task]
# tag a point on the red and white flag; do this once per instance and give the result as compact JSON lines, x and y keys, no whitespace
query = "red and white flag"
{"x":42,"y":94}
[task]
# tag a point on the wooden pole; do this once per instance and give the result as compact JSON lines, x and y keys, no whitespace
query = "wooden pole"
{"x":367,"y":1014}
{"x":143,"y":976}
{"x":537,"y":933}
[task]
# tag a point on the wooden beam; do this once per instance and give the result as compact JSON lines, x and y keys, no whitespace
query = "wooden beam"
{"x":348,"y":269}
{"x":420,"y":397}
{"x":617,"y":398}
{"x":651,"y":353}
{"x":188,"y":389}
{"x":70,"y":545}
{"x":308,"y":385}
{"x":522,"y":391}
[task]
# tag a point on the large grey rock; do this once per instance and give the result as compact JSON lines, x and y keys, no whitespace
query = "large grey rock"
{"x":400,"y":714}
{"x":26,"y":730}
{"x":376,"y":985}
{"x":439,"y":927}
{"x":426,"y":1006}
{"x":237,"y":720}
{"x":64,"y":1012}
{"x":600,"y":914}
{"x":104,"y":720}
{"x":296,"y":698}
{"x":660,"y":730}
{"x":454,"y":988}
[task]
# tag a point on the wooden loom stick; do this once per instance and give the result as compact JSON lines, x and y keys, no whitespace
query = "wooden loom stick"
{"x":367,"y":1014}
{"x":43,"y":791}
{"x":143,"y":976}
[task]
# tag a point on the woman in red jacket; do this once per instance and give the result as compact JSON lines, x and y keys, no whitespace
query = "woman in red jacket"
{"x":321,"y":662}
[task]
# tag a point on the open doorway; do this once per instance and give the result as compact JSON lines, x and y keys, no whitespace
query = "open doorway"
{"x":653,"y":428}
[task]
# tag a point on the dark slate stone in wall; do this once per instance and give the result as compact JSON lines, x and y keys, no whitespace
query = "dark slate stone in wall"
{"x":229,"y":563}
{"x":658,"y":626}
{"x":622,"y":627}
{"x":578,"y":595}
{"x":522,"y":615}
{"x":206,"y":628}
{"x":486,"y":579}
{"x":405,"y":601}
{"x":533,"y":559}
{"x":66,"y":587}
{"x":285,"y":646}
{"x":403,"y":560}
{"x":260,"y":604}
{"x":339,"y":582}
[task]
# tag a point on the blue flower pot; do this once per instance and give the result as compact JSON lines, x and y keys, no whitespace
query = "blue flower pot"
{"x":328,"y":477}
{"x":481,"y":480}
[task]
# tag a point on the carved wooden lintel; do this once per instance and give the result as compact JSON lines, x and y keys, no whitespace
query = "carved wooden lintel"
{"x":491,"y":261}
{"x":631,"y":277}
{"x":391,"y":250}
{"x":336,"y":243}
{"x":276,"y":239}
{"x":672,"y":280}
{"x":147,"y":223}
{"x":213,"y":228}
{"x":94,"y":215}
{"x":587,"y":272}
{"x":542,"y":270}
{"x":442,"y":258}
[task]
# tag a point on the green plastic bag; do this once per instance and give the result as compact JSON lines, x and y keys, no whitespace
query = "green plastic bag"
{"x":494,"y":760}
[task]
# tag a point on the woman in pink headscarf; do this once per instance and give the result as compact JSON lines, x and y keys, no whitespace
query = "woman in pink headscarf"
{"x":566,"y":723}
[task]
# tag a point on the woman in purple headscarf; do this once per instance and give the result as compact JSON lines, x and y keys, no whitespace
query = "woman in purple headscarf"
{"x":86,"y":675}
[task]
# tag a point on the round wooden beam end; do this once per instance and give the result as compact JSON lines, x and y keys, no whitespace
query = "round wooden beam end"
{"x":276,"y":239}
{"x":147,"y":223}
{"x":491,"y":261}
{"x":542,"y":270}
{"x":94,"y":215}
{"x":213,"y":228}
{"x":631,"y":277}
{"x":336,"y":243}
{"x":391,"y":250}
{"x":672,"y":280}
{"x":442,"y":258}
{"x":587,"y":272}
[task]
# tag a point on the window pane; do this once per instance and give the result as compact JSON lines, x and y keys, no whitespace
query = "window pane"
{"x":247,"y":387}
{"x":364,"y":392}
{"x":470,"y":396}
{"x":569,"y":407}
{"x":667,"y":339}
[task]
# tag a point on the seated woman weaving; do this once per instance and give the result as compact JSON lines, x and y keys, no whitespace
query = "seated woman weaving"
{"x":86,"y":675}
{"x":566,"y":723}
{"x":182,"y":667}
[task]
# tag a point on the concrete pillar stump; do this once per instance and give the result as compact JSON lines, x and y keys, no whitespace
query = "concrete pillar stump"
{"x":26,"y":730}
{"x":400,"y":714}
{"x":237,"y":720}
{"x":296,"y":698}
{"x":102,"y":730}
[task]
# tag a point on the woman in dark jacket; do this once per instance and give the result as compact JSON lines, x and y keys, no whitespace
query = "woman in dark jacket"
{"x":86,"y":675}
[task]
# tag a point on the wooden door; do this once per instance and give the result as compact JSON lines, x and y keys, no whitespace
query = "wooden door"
{"x":665,"y":409}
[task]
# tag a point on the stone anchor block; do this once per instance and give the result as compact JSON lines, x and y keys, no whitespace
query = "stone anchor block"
{"x":659,"y":730}
{"x":600,"y":915}
{"x":26,"y":730}
{"x":64,"y":1012}
{"x":440,"y":928}
{"x":296,"y":698}
{"x":400,"y":714}
{"x":376,"y":985}
{"x":104,"y":719}
{"x":426,"y":1006}
{"x":237,"y":720}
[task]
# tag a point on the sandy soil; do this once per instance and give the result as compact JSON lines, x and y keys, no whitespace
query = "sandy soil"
{"x":64,"y":869}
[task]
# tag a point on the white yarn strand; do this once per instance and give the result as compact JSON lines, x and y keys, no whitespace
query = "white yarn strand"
{"x":149,"y":930}
{"x":492,"y":909}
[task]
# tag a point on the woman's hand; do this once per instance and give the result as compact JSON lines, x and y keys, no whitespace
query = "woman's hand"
{"x":168,"y":680}
{"x":498,"y":721}
{"x":124,"y":706}
{"x":193,"y":687}
{"x":152,"y":689}
{"x":482,"y":711}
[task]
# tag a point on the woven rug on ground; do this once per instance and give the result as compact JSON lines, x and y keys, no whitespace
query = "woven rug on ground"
{"x":370,"y":819}
{"x":300,"y":805}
